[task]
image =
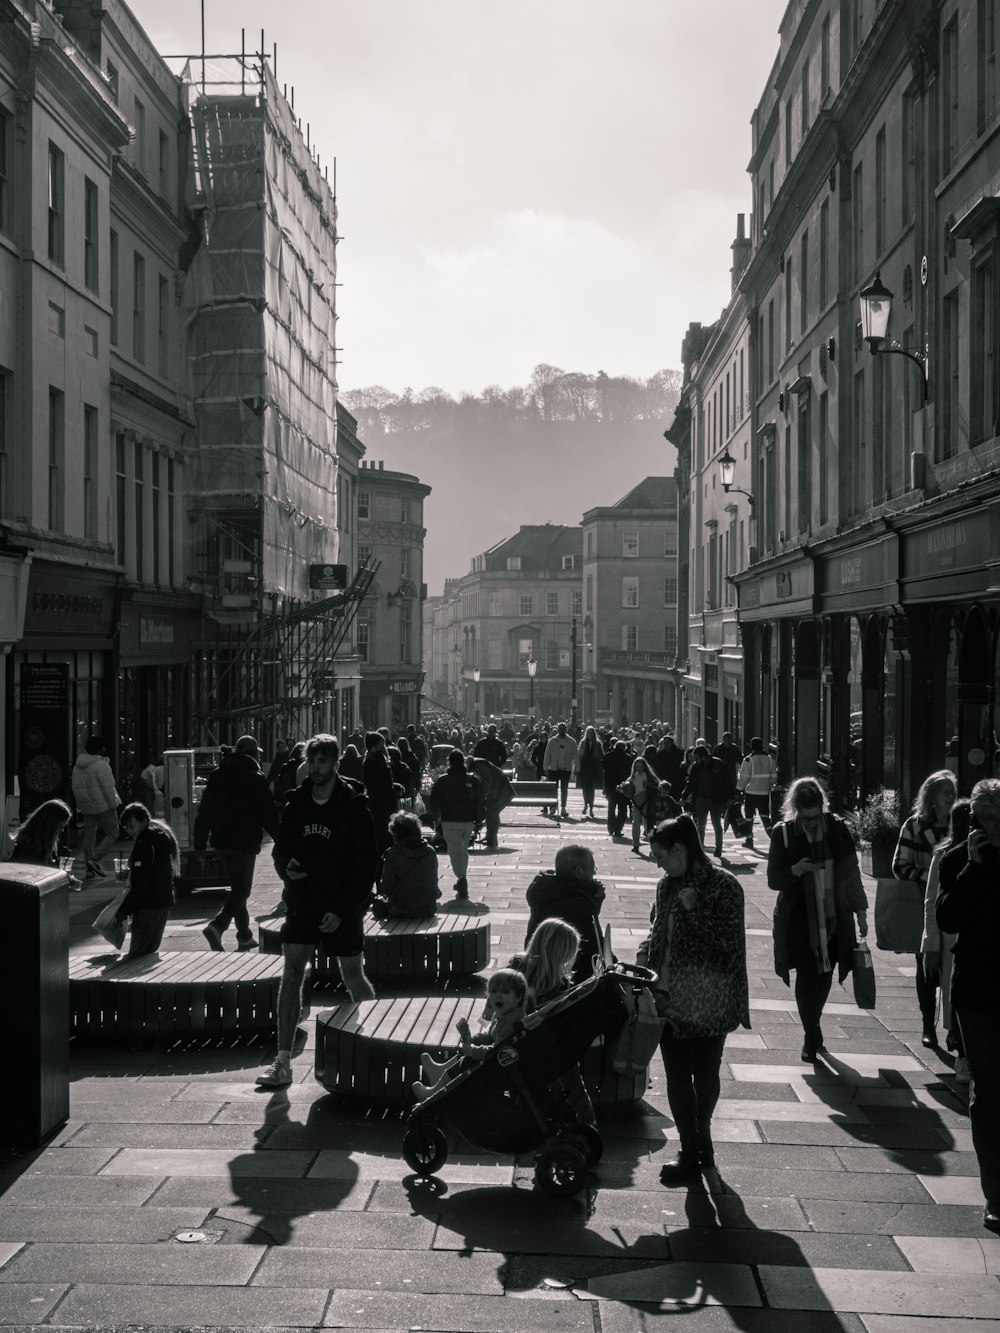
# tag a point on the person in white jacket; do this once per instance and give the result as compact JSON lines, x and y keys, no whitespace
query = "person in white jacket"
{"x":97,"y":800}
{"x":561,"y":758}
{"x":758,"y":773}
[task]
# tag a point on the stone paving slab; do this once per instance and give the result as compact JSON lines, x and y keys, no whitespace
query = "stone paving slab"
{"x":190,"y":1307}
{"x":753,"y":1182}
{"x":29,"y":1303}
{"x":134,"y":1265}
{"x":360,"y":1269}
{"x":879,"y":1253}
{"x":99,"y":1225}
{"x":457,"y":1314}
{"x":682,"y":1284}
{"x":890,"y":1324}
{"x":621,"y":1318}
{"x":951,"y":1254}
{"x":895,"y":1293}
{"x":953,"y":1189}
{"x":207,"y":1161}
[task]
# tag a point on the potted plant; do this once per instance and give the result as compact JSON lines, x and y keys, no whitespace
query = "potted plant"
{"x":878,"y":824}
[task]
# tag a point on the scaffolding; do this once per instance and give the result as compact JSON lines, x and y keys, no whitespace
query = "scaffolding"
{"x":260,"y":314}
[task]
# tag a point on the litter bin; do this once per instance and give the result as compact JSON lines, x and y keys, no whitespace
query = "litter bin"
{"x":34,"y":1000}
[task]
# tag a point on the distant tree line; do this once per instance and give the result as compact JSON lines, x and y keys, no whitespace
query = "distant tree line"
{"x":553,"y":395}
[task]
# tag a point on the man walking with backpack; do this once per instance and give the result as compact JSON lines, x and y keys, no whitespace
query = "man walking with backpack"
{"x":709,"y":787}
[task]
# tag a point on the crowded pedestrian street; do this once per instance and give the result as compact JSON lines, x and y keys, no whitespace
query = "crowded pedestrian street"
{"x":844,"y":1198}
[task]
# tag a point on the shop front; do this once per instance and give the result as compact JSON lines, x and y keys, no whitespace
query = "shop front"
{"x":61,"y":685}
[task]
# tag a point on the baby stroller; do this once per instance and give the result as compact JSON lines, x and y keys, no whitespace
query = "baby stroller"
{"x":511,"y":1101}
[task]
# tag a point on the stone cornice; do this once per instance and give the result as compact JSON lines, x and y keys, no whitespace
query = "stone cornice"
{"x":135,"y":200}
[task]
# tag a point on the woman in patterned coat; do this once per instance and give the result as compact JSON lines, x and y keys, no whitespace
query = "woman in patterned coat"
{"x":697,"y":945}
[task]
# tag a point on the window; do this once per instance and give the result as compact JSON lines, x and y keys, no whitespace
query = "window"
{"x":630,"y":545}
{"x":551,"y":603}
{"x":949,"y":97}
{"x":670,"y":540}
{"x":112,"y":77}
{"x":364,"y":554}
{"x":163,"y":326}
{"x":858,"y":216}
{"x":405,"y":634}
{"x":496,"y":603}
{"x":805,"y":96}
{"x":824,"y":58}
{"x":90,"y":340}
{"x":5,"y":396}
{"x":822,"y":459}
{"x":525,"y":650}
{"x":805,"y":463}
{"x":804,"y":282}
{"x":89,"y":471}
{"x":120,"y":497}
{"x":986,"y":81}
{"x":670,"y":640}
{"x":154,"y":482}
{"x":113,"y":258}
{"x":788,"y":132}
{"x":171,"y":500}
{"x":140,"y":136}
{"x":364,"y":504}
{"x":138,"y":307}
{"x":138,"y":453}
{"x":630,"y":638}
{"x":404,"y":510}
{"x":568,"y":562}
{"x":947,"y":445}
{"x":630,"y":591}
{"x":57,"y":458}
{"x":551,"y":655}
{"x":857,"y":25}
{"x":857,"y":457}
{"x":787,"y":483}
{"x":90,"y":224}
{"x":670,"y":590}
{"x":164,"y":165}
{"x":57,"y":204}
{"x":788,"y":303}
{"x":513,"y":562}
{"x":881,"y":234}
{"x":364,"y":633}
{"x":590,"y":545}
{"x":494,"y":654}
{"x":577,"y":604}
{"x":6,"y":152}
{"x":404,"y":562}
{"x":909,"y":153}
{"x":824,"y":254}
{"x":770,"y":341}
{"x":982,"y":425}
{"x":589,"y":585}
{"x":57,"y":320}
{"x":526,"y":604}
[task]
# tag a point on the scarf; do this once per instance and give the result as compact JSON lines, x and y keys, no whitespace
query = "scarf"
{"x":821,"y":911}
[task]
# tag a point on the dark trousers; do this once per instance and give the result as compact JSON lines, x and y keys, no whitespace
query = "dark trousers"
{"x":757,"y":805}
{"x":147,"y":930}
{"x":704,"y":809}
{"x":239,"y":868}
{"x":926,"y":993}
{"x":812,"y":990}
{"x":617,"y":813}
{"x":692,"y":1066}
{"x":492,"y":827}
{"x":981,"y":1036}
{"x":562,"y":777}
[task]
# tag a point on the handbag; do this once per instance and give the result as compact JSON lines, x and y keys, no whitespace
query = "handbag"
{"x":109,"y":924}
{"x":863,"y":976}
{"x":899,"y":915}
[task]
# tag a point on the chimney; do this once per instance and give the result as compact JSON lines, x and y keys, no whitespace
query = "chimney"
{"x":741,"y":250}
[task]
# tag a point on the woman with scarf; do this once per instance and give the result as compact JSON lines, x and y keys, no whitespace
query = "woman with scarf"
{"x":813,"y":867}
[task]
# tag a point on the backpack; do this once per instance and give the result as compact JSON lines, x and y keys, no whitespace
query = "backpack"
{"x":663,"y":805}
{"x":718,"y":781}
{"x":639,"y":1037}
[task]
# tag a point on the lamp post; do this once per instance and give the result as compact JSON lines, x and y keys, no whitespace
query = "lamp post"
{"x":475,"y":676}
{"x":532,"y":668}
{"x":876,"y":307}
{"x":572,"y":668}
{"x":727,"y":470}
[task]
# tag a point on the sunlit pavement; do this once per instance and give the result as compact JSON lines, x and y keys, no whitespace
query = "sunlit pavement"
{"x":178,"y":1195}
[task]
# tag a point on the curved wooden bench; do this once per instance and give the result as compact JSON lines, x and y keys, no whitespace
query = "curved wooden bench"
{"x":540,"y":793}
{"x":175,"y":994}
{"x":370,"y":1052}
{"x":425,"y":948}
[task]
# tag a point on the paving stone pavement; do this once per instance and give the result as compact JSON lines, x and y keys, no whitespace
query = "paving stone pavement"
{"x":846,"y":1197}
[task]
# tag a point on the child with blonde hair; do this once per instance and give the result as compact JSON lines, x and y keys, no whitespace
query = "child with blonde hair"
{"x":548,"y":960}
{"x":506,"y":993}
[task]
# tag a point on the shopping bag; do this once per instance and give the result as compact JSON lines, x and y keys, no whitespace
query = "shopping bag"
{"x":109,"y":924}
{"x":864,"y":977}
{"x":899,"y":915}
{"x":419,"y":808}
{"x":639,"y":1038}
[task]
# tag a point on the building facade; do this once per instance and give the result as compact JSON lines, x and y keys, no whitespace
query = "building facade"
{"x":389,"y":630}
{"x":630,"y":594}
{"x":870,"y":615}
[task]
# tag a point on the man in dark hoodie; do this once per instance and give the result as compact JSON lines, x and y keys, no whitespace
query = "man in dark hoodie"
{"x":326,"y":854}
{"x":235,"y":812}
{"x":572,"y":894}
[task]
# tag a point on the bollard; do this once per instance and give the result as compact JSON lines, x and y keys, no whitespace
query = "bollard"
{"x":34,"y":1000}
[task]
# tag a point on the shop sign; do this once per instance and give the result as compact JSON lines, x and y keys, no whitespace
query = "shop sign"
{"x":65,"y":602}
{"x":750,"y":595}
{"x":327,"y":578}
{"x":960,"y":544}
{"x":403,"y":687}
{"x":155,"y":632}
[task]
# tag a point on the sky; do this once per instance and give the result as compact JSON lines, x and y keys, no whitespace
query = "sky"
{"x":537,"y":180}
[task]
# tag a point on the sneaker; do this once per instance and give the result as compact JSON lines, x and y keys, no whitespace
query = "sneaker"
{"x":213,"y":934}
{"x":277,"y":1075}
{"x":963,"y":1074}
{"x":95,"y":870}
{"x":244,"y":945}
{"x":462,"y":888}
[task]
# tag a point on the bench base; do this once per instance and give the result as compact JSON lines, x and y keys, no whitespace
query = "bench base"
{"x":175,"y":994}
{"x":370,"y":1052}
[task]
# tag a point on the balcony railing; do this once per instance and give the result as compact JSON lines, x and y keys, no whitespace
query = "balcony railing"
{"x":622,"y":657}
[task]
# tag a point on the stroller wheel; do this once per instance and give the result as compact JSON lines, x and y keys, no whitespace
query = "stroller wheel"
{"x":561,"y":1170}
{"x":591,"y":1143}
{"x":425,"y":1149}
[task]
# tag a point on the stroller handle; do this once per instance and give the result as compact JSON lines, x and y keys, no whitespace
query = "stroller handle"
{"x":645,"y":975}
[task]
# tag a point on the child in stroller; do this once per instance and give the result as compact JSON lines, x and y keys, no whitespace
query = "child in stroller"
{"x":505,"y":997}
{"x":513,"y":1101}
